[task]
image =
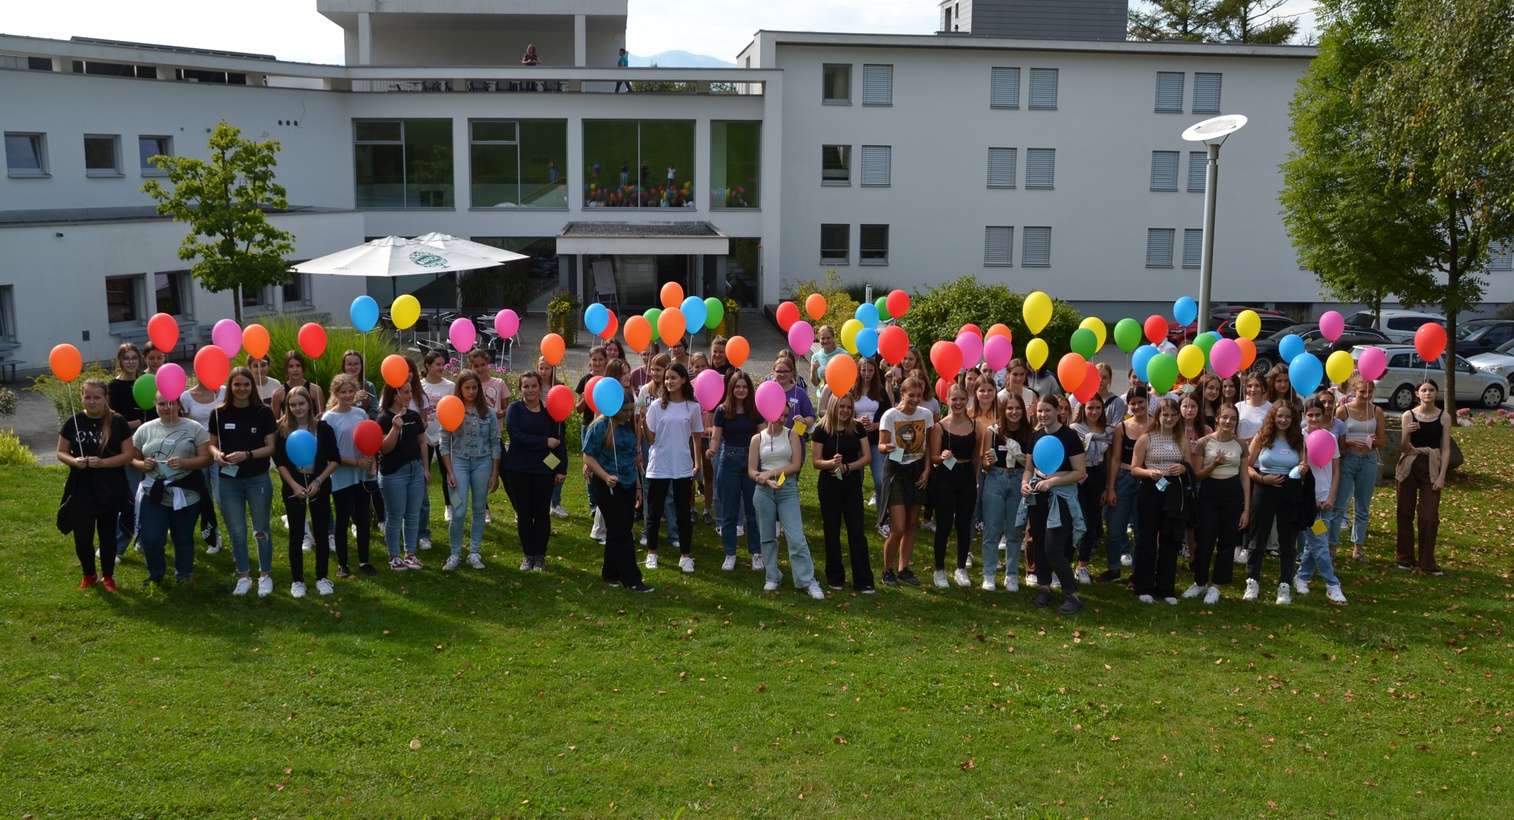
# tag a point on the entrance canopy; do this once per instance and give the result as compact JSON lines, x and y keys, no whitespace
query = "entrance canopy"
{"x":642,"y":239}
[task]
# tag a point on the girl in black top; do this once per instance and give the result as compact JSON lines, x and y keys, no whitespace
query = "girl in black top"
{"x":96,"y":445}
{"x":1051,"y":492}
{"x":1421,"y":474}
{"x":305,"y":487}
{"x":241,"y":442}
{"x":956,"y":451}
{"x":402,"y":474}
{"x":294,"y":376}
{"x":535,"y":439}
{"x":839,"y":449}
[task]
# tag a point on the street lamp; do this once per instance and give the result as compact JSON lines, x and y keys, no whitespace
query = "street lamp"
{"x":1212,"y":132}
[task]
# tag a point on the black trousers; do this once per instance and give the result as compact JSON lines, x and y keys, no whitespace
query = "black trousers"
{"x":1091,"y":498}
{"x":86,"y":529}
{"x":1265,"y":500}
{"x":657,"y":496}
{"x":208,"y":513}
{"x":956,"y":498}
{"x":841,"y":503}
{"x":1052,"y":545}
{"x":1220,"y":506}
{"x":619,"y":510}
{"x":320,"y":524}
{"x":375,"y":501}
{"x":1156,"y":552}
{"x":433,"y":453}
{"x":532,"y":496}
{"x":351,"y":508}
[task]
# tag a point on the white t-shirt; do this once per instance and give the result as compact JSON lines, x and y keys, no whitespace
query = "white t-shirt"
{"x":865,"y":408}
{"x":201,"y":412}
{"x":434,"y":394}
{"x":1251,"y":418}
{"x":1326,"y":474}
{"x":670,"y":456}
{"x":908,"y":430}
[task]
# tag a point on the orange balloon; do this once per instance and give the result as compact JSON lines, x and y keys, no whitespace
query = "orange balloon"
{"x":65,"y":362}
{"x":1071,"y":371}
{"x":672,"y":295}
{"x":395,"y":370}
{"x":638,"y":333}
{"x":163,"y":331}
{"x":670,"y":325}
{"x":1248,"y":351}
{"x":255,"y":341}
{"x":999,"y":330}
{"x":815,"y":306}
{"x":449,"y":412}
{"x":840,"y":374}
{"x":736,"y":350}
{"x":552,"y":348}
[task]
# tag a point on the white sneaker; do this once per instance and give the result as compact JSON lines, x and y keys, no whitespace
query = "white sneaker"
{"x":770,"y":586}
{"x":988,"y":585}
{"x":527,"y":566}
{"x":651,"y":560}
{"x":1012,"y":583}
{"x":941,"y":579}
{"x":297,"y":589}
{"x":884,"y":530}
{"x":488,"y":517}
{"x":1031,"y":580}
{"x":559,"y":511}
{"x":1171,"y":600}
{"x":597,"y":532}
{"x":816,"y":592}
{"x":383,"y":528}
{"x":331,"y":542}
{"x":424,"y":543}
{"x":452,"y":562}
{"x":1147,"y":599}
{"x":643,"y":539}
{"x":1212,"y":597}
{"x":243,"y":585}
{"x":1253,"y":590}
{"x":1242,"y":556}
{"x":686,"y":563}
{"x":960,"y":576}
{"x":929,"y":526}
{"x":475,"y":561}
{"x":324,"y":587}
{"x":872,"y":502}
{"x":757,"y":563}
{"x":728,"y":564}
{"x":1334,"y":595}
{"x":265,"y":586}
{"x":308,"y":544}
{"x":1300,"y":585}
{"x":446,"y":513}
{"x":1056,"y":583}
{"x":1082,"y":576}
{"x":284,"y":519}
{"x":1193,"y":591}
{"x":1126,"y":560}
{"x":1284,"y":595}
{"x":740,"y":530}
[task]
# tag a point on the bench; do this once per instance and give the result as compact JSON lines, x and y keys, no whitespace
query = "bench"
{"x":8,"y":361}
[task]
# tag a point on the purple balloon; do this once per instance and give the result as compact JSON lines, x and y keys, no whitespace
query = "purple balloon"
{"x":171,"y":381}
{"x":801,"y":338}
{"x":227,"y":335}
{"x":709,"y":389}
{"x":972,"y":348}
{"x":462,"y":334}
{"x":771,"y":400}
{"x":997,"y":352}
{"x":1225,"y":358}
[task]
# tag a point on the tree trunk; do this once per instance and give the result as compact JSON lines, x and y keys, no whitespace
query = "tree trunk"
{"x":236,"y":304}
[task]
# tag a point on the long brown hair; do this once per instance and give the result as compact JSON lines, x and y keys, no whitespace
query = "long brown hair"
{"x":687,"y":393}
{"x":1020,"y":435}
{"x":253,"y":398}
{"x":125,"y":348}
{"x":287,"y":424}
{"x":480,"y":404}
{"x":747,"y":406}
{"x":1290,"y":432}
{"x":99,"y":384}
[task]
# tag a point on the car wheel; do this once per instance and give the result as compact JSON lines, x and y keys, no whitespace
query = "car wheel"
{"x":1492,"y":397}
{"x":1261,"y":365}
{"x":1403,"y":398}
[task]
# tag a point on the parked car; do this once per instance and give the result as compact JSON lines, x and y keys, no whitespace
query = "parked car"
{"x":1181,"y":334}
{"x":1396,"y":388}
{"x":1270,"y":325}
{"x":1482,"y":335}
{"x":1314,"y":342}
{"x":1400,"y":325}
{"x":1499,"y":361}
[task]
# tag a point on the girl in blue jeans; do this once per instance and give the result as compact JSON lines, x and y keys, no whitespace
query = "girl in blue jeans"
{"x":402,"y":474}
{"x":1315,"y":552}
{"x":470,"y":460}
{"x":1002,"y":465}
{"x":241,"y":441}
{"x":1365,"y":426}
{"x":774,"y":457}
{"x":735,"y":422}
{"x":1123,"y":487}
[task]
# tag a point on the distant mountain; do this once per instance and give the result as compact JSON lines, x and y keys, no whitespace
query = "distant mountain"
{"x":680,"y":59}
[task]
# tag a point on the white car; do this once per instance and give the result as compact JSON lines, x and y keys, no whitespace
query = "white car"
{"x":1397,"y":386}
{"x":1499,"y":361}
{"x":1398,"y":325}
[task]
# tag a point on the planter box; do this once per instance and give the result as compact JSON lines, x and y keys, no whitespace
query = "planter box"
{"x":566,"y":326}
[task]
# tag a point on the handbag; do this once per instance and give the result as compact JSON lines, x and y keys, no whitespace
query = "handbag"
{"x":65,"y":520}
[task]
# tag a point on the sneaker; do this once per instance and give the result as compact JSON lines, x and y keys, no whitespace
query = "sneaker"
{"x":837,"y":587}
{"x":331,"y":543}
{"x":1146,"y":599}
{"x":526,"y":564}
{"x":770,"y":586}
{"x":686,"y":563}
{"x":149,"y":583}
{"x":1012,"y":583}
{"x":265,"y":586}
{"x":1072,"y":606}
{"x":1193,"y":591}
{"x":709,"y":518}
{"x":324,"y":586}
{"x":109,"y":585}
{"x":243,"y":585}
{"x":475,"y":561}
{"x":452,"y":563}
{"x":284,"y":521}
{"x":424,"y":543}
{"x":872,"y":502}
{"x":1284,"y":595}
{"x":1081,"y":575}
{"x":907,"y":576}
{"x":1358,"y":554}
{"x":411,"y":562}
{"x":960,"y":576}
{"x":1056,"y":583}
{"x":640,"y":588}
{"x":1436,"y":571}
{"x":884,"y":530}
{"x":538,"y":563}
{"x":816,"y":592}
{"x":740,"y":530}
{"x":343,"y":572}
{"x":673,"y":542}
{"x":728,"y":564}
{"x":1212,"y":597}
{"x":308,"y":544}
{"x":940,"y":579}
{"x":367,"y":569}
{"x":613,"y":584}
{"x":1332,"y":594}
{"x":929,"y":526}
{"x":488,"y":517}
{"x":1043,"y":598}
{"x":382,"y":528}
{"x":758,"y":565}
{"x":988,"y":585}
{"x":1184,"y":553}
{"x":890,"y":579}
{"x":651,"y":561}
{"x":868,"y":590}
{"x":1126,"y":561}
{"x":1171,"y":600}
{"x":1031,"y":580}
{"x":397,"y":564}
{"x":1242,"y":555}
{"x":1405,"y":567}
{"x":211,"y":548}
{"x":969,"y":562}
{"x":1108,"y":576}
{"x":446,"y":513}
{"x":643,"y":539}
{"x":297,"y":589}
{"x":87,"y":581}
{"x":1300,"y":585}
{"x":559,"y":511}
{"x":1253,"y":590}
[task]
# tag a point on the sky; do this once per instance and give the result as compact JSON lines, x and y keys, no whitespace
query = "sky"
{"x":292,"y":30}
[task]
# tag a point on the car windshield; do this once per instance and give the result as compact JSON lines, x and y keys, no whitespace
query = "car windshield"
{"x":1469,"y":330}
{"x":1506,"y":347}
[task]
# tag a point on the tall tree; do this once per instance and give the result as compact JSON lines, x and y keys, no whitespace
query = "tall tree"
{"x":224,"y":199}
{"x":1156,"y":20}
{"x":1254,"y":21}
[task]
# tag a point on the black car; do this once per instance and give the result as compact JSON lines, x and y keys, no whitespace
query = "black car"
{"x":1270,"y":325}
{"x":1482,"y":335}
{"x":1315,"y":343}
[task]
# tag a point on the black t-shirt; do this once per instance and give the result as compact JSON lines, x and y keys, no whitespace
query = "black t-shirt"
{"x":588,"y":415}
{"x":736,"y":431}
{"x":243,"y":428}
{"x":326,"y":452}
{"x":849,"y":445}
{"x":118,"y":393}
{"x":1072,"y":445}
{"x":98,"y":490}
{"x":409,"y":447}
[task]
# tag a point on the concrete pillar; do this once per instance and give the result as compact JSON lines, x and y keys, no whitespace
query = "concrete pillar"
{"x":580,"y":40}
{"x":364,"y":38}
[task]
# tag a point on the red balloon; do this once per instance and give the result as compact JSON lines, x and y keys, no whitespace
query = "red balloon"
{"x":163,"y":330}
{"x":212,"y":367}
{"x":947,"y":358}
{"x":560,"y":402}
{"x":1430,"y":341}
{"x":312,"y":339}
{"x":1090,"y":384}
{"x":971,"y":328}
{"x":610,"y":326}
{"x":897,"y":304}
{"x":367,"y":437}
{"x":787,"y":314}
{"x":893,"y":343}
{"x":1156,"y":328}
{"x":943,"y":388}
{"x":589,"y":392}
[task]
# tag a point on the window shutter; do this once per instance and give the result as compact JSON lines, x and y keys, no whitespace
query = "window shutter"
{"x":1043,"y":88}
{"x":1206,"y":93}
{"x":877,"y":85}
{"x":1004,"y":88}
{"x":874,"y":245}
{"x":1001,"y":168}
{"x":998,"y":245}
{"x":876,"y":165}
{"x":1193,"y":247}
{"x":1501,"y":257}
{"x":1198,"y":165}
{"x":835,"y":242}
{"x":1164,"y":170}
{"x":1037,"y":250}
{"x":1159,"y":247}
{"x":1040,"y":167}
{"x":1170,"y":91}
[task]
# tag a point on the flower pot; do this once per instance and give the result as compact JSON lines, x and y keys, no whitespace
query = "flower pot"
{"x":563,"y":325}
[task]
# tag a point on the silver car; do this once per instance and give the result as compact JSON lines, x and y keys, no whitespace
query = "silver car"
{"x":1498,"y":361}
{"x":1396,"y":387}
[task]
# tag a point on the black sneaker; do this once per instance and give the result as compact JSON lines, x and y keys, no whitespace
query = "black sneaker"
{"x":150,"y":583}
{"x":890,"y":579}
{"x":368,"y":569}
{"x":1072,"y":606}
{"x":839,"y":586}
{"x":1043,"y":598}
{"x":908,"y":576}
{"x":867,"y":590}
{"x":343,"y":572}
{"x":639,"y":588}
{"x":613,"y":584}
{"x":1108,"y":576}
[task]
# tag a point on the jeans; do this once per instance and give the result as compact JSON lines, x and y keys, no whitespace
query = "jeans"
{"x":734,"y":488}
{"x":781,"y":506}
{"x":1120,"y":516}
{"x":425,"y":523}
{"x":877,"y":469}
{"x":1314,"y":552}
{"x":472,"y":485}
{"x":1001,"y":505}
{"x":157,"y":523}
{"x":557,"y":495}
{"x":239,"y":496}
{"x":1090,"y":492}
{"x":403,"y":491}
{"x":1358,"y":479}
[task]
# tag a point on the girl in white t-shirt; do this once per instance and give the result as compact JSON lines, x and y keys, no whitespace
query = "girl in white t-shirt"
{"x":906,"y":473}
{"x":672,"y":428}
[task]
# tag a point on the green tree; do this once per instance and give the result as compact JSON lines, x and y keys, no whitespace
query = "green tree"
{"x":1254,"y":21}
{"x":224,"y":200}
{"x":1156,"y":20}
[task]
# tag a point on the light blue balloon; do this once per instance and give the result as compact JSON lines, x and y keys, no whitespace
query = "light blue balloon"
{"x":1290,"y":346}
{"x":1305,"y":372}
{"x":1140,"y":358}
{"x":867,"y":314}
{"x":596,"y":318}
{"x":694,"y":313}
{"x":364,"y":313}
{"x":301,"y":449}
{"x":1048,"y":454}
{"x":866,"y":342}
{"x":1185,"y":310}
{"x":609,"y":396}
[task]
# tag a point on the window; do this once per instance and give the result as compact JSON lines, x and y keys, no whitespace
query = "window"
{"x":1043,"y":89}
{"x":835,"y":244}
{"x":1159,"y":247}
{"x":1170,"y":92}
{"x":514,"y":163}
{"x":1164,"y":170}
{"x":837,"y":88}
{"x":403,"y":163}
{"x":149,"y":147}
{"x":1001,"y":168}
{"x":1501,"y":256}
{"x":877,"y":85}
{"x":998,"y":246}
{"x":835,"y":164}
{"x":1040,"y":167}
{"x":1206,"y":93}
{"x":1193,"y":247}
{"x":877,"y":162}
{"x":123,"y":299}
{"x":297,"y":289}
{"x":1198,"y":167}
{"x":873,"y":249}
{"x":735,"y":164}
{"x":1004,"y":88}
{"x":171,"y":292}
{"x":1036,"y":252}
{"x":102,"y":155}
{"x":638,"y":163}
{"x":8,"y":312}
{"x":25,"y":155}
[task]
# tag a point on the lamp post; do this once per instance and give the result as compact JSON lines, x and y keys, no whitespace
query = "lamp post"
{"x":1212,"y":132}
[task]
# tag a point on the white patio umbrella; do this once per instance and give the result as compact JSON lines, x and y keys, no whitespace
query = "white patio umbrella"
{"x":467,"y":246}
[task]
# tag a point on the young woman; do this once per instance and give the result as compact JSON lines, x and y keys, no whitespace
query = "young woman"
{"x":1114,"y":406}
{"x":1223,"y":505}
{"x":470,"y":462}
{"x":869,"y":400}
{"x":613,"y":350}
{"x":1253,"y":411}
{"x":840,"y":451}
{"x":698,"y":363}
{"x":402,"y":473}
{"x":609,"y":448}
{"x":196,"y":403}
{"x":671,"y":427}
{"x":1315,"y":550}
{"x":367,"y":397}
{"x":1005,"y":445}
{"x":1092,"y":426}
{"x":1279,"y":388}
{"x":1208,"y":395}
{"x":902,"y":436}
{"x":265,"y":386}
{"x":983,"y":402}
{"x":773,"y":460}
{"x":152,"y":358}
{"x":1191,"y":413}
{"x":1123,"y":487}
{"x":649,"y":392}
{"x":436,"y":386}
{"x":420,"y":402}
{"x":124,"y":404}
{"x":1277,"y":497}
{"x":170,"y":452}
{"x":538,"y":462}
{"x":96,"y":444}
{"x":305,"y":488}
{"x":1230,"y":391}
{"x":800,"y":407}
{"x":1054,"y":518}
{"x":718,"y":359}
{"x":348,"y":493}
{"x":1160,"y":460}
{"x":1015,"y":374}
{"x":896,"y":375}
{"x":735,"y":423}
{"x":598,"y":358}
{"x":826,"y":336}
{"x":956,"y":454}
{"x":1421,"y":475}
{"x":241,"y":442}
{"x":1366,"y":429}
{"x":496,"y":392}
{"x":294,"y":376}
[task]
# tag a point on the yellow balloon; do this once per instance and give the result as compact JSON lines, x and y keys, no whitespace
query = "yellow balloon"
{"x":1191,"y":361}
{"x":1248,"y":324}
{"x":1096,"y":324}
{"x":1339,"y":366}
{"x":1037,"y":311}
{"x":849,"y":335}
{"x":1036,"y":352}
{"x":405,"y":311}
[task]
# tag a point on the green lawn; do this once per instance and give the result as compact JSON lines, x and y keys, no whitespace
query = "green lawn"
{"x":515,"y":694}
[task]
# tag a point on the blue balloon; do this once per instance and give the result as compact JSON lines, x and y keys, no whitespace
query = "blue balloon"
{"x":694,"y":313}
{"x":364,"y":313}
{"x":1305,"y":372}
{"x":1290,"y":347}
{"x":596,"y":318}
{"x":1140,"y":358}
{"x":609,"y":396}
{"x":867,"y":341}
{"x":1185,"y":310}
{"x":301,"y":449}
{"x":1048,"y":454}
{"x":867,"y":314}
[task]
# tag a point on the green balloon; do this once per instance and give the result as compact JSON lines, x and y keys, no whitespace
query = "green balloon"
{"x":145,"y":391}
{"x":714,"y":312}
{"x":651,"y":316}
{"x":882,"y":305}
{"x":1162,"y":372}
{"x":1084,"y":342}
{"x":1205,"y":341}
{"x":1128,"y":334}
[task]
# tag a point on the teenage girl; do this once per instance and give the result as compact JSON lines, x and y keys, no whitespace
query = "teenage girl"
{"x":956,"y":453}
{"x":1092,"y":426}
{"x":1365,"y":436}
{"x":402,"y":473}
{"x":1123,"y":487}
{"x":1159,"y":460}
{"x":294,"y":376}
{"x":367,"y":397}
{"x":348,"y":493}
{"x":1054,"y":517}
{"x":904,"y":432}
{"x":1275,"y":459}
{"x":774,"y":457}
{"x":1314,"y":549}
{"x":1253,"y":411}
{"x":1005,"y":443}
{"x":95,"y":443}
{"x":538,"y":461}
{"x":610,"y":450}
{"x":1421,"y":475}
{"x":869,"y":400}
{"x":1224,"y":505}
{"x":305,"y":488}
{"x":197,"y":402}
{"x":470,"y":462}
{"x":241,"y":441}
{"x":672,"y":426}
{"x":734,"y":424}
{"x":840,"y":451}
{"x":698,"y":363}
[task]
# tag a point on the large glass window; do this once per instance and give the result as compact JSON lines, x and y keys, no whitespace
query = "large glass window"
{"x":25,"y":155}
{"x":403,"y":163}
{"x":735,"y":164}
{"x":171,"y":292}
{"x":122,"y":299}
{"x":149,"y":147}
{"x":102,"y":155}
{"x":518,"y":163}
{"x":835,"y":165}
{"x":638,"y":164}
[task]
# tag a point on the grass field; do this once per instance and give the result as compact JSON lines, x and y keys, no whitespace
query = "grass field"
{"x":528,"y":694}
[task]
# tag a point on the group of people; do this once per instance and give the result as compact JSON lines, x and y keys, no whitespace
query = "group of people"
{"x":1216,"y":471}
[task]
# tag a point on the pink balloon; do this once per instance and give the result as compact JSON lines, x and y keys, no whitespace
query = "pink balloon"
{"x":1225,"y":358}
{"x":506,"y":323}
{"x":1372,"y":364}
{"x":1332,"y":324}
{"x":709,"y":389}
{"x":801,"y":337}
{"x":771,"y":400}
{"x":972,"y":347}
{"x":171,"y":380}
{"x":462,"y":334}
{"x":227,"y":335}
{"x":997,"y":351}
{"x":1321,"y":446}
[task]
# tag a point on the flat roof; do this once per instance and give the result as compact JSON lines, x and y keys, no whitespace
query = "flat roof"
{"x":642,"y":238}
{"x":952,"y":40}
{"x":128,"y":213}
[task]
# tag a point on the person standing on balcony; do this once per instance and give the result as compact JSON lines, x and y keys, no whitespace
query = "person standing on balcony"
{"x":623,"y":61}
{"x":530,"y":58}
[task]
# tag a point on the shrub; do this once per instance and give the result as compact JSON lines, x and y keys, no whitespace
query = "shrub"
{"x":7,"y":401}
{"x":939,"y":314}
{"x":283,"y":336}
{"x":13,"y":453}
{"x":65,"y":396}
{"x":839,"y":304}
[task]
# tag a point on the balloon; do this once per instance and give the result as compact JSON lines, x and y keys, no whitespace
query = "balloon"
{"x":1248,"y":324}
{"x":1101,"y":334}
{"x":1430,"y":341}
{"x":973,"y":329}
{"x":1140,"y":359}
{"x":672,"y":295}
{"x":1163,"y":370}
{"x":1339,"y":366}
{"x":849,"y":335}
{"x":1191,"y":361}
{"x":312,"y":338}
{"x":367,"y":437}
{"x":144,"y":390}
{"x":947,"y":358}
{"x":227,"y":336}
{"x":364,"y":313}
{"x":163,"y":330}
{"x":1185,"y":310}
{"x":1090,"y":383}
{"x":506,"y":323}
{"x":693,"y":314}
{"x":171,"y":381}
{"x":1036,"y":353}
{"x":449,"y":412}
{"x":881,"y":303}
{"x":714,"y":313}
{"x":609,"y":396}
{"x":786,"y":314}
{"x":300,"y":447}
{"x":1373,"y":363}
{"x":610,"y":327}
{"x":840,"y":375}
{"x":866,"y":341}
{"x":709,"y":391}
{"x":255,"y":341}
{"x":589,"y":392}
{"x":893,"y":343}
{"x":1321,"y":446}
{"x":867,"y":314}
{"x":737,"y":349}
{"x":1071,"y":371}
{"x":943,"y":389}
{"x":212,"y":367}
{"x":771,"y":400}
{"x":801,"y":337}
{"x":395,"y":370}
{"x":1037,"y":311}
{"x":1332,"y":324}
{"x":1290,"y":346}
{"x":560,"y":402}
{"x":1084,"y":342}
{"x":596,"y":316}
{"x":552,"y":348}
{"x":997,"y":351}
{"x":1304,"y":373}
{"x":65,"y":362}
{"x":898,"y":303}
{"x":972,"y":347}
{"x":653,"y":315}
{"x":405,"y":311}
{"x":1206,"y":341}
{"x":1155,"y":329}
{"x":671,"y":325}
{"x":638,"y":333}
{"x":1248,"y":351}
{"x":814,"y":305}
{"x":1048,"y":454}
{"x":1127,"y":335}
{"x":1225,"y":357}
{"x":1000,"y":329}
